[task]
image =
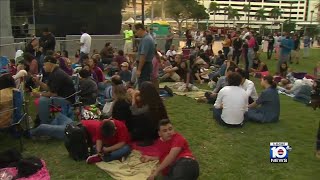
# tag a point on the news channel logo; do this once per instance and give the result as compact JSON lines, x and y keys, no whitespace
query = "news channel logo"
{"x":279,"y":152}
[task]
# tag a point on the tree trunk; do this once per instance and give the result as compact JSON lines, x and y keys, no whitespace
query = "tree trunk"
{"x":179,"y":27}
{"x":214,"y":19}
{"x":134,"y":10}
{"x":163,"y":16}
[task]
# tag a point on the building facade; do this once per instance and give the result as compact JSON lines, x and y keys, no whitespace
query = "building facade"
{"x":300,"y":11}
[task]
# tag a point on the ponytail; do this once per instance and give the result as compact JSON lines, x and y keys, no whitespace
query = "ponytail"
{"x":270,"y":81}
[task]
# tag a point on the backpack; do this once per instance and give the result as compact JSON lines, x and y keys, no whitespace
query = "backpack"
{"x":77,"y":141}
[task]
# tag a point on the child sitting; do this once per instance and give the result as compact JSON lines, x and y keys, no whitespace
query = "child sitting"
{"x":125,"y":73}
{"x":111,"y":139}
{"x":259,"y":68}
{"x":176,"y":159}
{"x":220,"y":59}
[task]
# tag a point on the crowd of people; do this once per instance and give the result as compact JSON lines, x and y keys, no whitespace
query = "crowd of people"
{"x":130,"y":87}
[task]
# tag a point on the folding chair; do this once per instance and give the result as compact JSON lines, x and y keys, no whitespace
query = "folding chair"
{"x":20,"y":117}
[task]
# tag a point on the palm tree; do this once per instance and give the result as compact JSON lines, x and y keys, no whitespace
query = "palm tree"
{"x":233,"y":14}
{"x":260,"y":15}
{"x":247,"y":8}
{"x":214,"y":7}
{"x":291,"y":3}
{"x":226,"y":11}
{"x":275,"y":13}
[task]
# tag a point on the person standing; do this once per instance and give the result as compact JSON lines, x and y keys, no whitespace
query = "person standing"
{"x":85,"y":44}
{"x":169,"y":40}
{"x":270,"y":46}
{"x":236,"y":44}
{"x":154,"y":36}
{"x":145,"y":54}
{"x":286,"y":46}
{"x":251,"y":53}
{"x":128,"y":36}
{"x":296,"y":49}
{"x":306,"y":46}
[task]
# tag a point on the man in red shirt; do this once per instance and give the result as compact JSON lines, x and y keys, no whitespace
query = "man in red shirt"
{"x":111,"y":138}
{"x":176,"y":159}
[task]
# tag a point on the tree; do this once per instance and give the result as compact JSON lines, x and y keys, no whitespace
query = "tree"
{"x":214,"y":7}
{"x":157,"y":10}
{"x":199,"y":12}
{"x":125,"y":3}
{"x":260,"y":14}
{"x":233,"y":14}
{"x":181,"y":10}
{"x":247,"y":8}
{"x":275,"y":13}
{"x":291,"y":3}
{"x":226,"y":11}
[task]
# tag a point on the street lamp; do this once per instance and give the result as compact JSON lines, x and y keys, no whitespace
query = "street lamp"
{"x":142,"y":9}
{"x":312,"y":11}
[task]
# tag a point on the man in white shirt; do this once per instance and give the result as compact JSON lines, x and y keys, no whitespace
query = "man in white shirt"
{"x":245,"y":33}
{"x":85,"y":44}
{"x":231,"y":103}
{"x":248,"y":86}
{"x":170,"y":54}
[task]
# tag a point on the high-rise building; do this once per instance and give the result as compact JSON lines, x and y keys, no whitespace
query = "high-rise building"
{"x":299,"y":11}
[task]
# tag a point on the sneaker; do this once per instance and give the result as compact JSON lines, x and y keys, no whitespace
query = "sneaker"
{"x":93,"y":159}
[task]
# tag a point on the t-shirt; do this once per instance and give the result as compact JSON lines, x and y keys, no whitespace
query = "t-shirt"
{"x":155,"y":69}
{"x":235,"y":103}
{"x":269,"y":104}
{"x":99,"y":74}
{"x":128,"y":34}
{"x":250,"y":89}
{"x":270,"y":42}
{"x":176,"y":140}
{"x":286,"y":46}
{"x":171,"y":53}
{"x":122,"y":112}
{"x":125,"y":75}
{"x":86,"y":39}
{"x":94,"y":129}
{"x":61,"y":83}
{"x":120,"y":59}
{"x":146,"y":48}
{"x":296,"y":44}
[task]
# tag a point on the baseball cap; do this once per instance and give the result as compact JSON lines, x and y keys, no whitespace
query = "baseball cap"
{"x":125,"y":64}
{"x":50,"y":59}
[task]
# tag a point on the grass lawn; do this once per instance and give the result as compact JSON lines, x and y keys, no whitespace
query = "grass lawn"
{"x":223,"y":153}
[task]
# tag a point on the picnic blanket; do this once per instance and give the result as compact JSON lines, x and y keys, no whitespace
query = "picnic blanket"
{"x":192,"y":94}
{"x":130,"y":169}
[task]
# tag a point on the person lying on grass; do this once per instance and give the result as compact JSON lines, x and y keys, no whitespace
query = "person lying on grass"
{"x":176,"y":159}
{"x":111,"y":139}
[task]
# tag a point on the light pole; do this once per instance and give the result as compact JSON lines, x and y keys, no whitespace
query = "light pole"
{"x":152,"y":12}
{"x":142,"y":10}
{"x":249,"y":13}
{"x":312,"y":11}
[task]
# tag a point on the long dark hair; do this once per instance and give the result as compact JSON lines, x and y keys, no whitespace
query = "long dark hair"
{"x":150,"y":96}
{"x":270,"y":81}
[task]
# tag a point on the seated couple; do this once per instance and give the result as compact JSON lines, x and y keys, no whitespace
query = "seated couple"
{"x":111,"y":143}
{"x":231,"y":107}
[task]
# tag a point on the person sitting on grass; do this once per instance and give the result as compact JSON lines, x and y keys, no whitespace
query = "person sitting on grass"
{"x":88,"y":88}
{"x":147,"y":110}
{"x":316,"y":71}
{"x":259,"y":68}
{"x":248,"y":86}
{"x":210,"y":97}
{"x":269,"y":102}
{"x":231,"y":103}
{"x":176,"y":159}
{"x":111,"y":138}
{"x":125,"y":73}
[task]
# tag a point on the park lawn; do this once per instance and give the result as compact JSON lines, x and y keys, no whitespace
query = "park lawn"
{"x":223,"y":153}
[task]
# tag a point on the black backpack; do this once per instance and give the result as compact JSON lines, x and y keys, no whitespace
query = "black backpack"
{"x":77,"y":141}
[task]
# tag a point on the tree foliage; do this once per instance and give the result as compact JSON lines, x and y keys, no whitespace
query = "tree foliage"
{"x":260,"y":14}
{"x":275,"y":13}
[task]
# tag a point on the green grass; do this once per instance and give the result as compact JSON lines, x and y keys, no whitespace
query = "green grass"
{"x":223,"y":153}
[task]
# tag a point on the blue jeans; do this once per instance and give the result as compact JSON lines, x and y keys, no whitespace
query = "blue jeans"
{"x":250,"y":57}
{"x":81,"y":57}
{"x":55,"y":129}
{"x":44,"y":108}
{"x":117,"y":154}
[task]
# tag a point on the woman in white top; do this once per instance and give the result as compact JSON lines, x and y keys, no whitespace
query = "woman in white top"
{"x":231,"y":103}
